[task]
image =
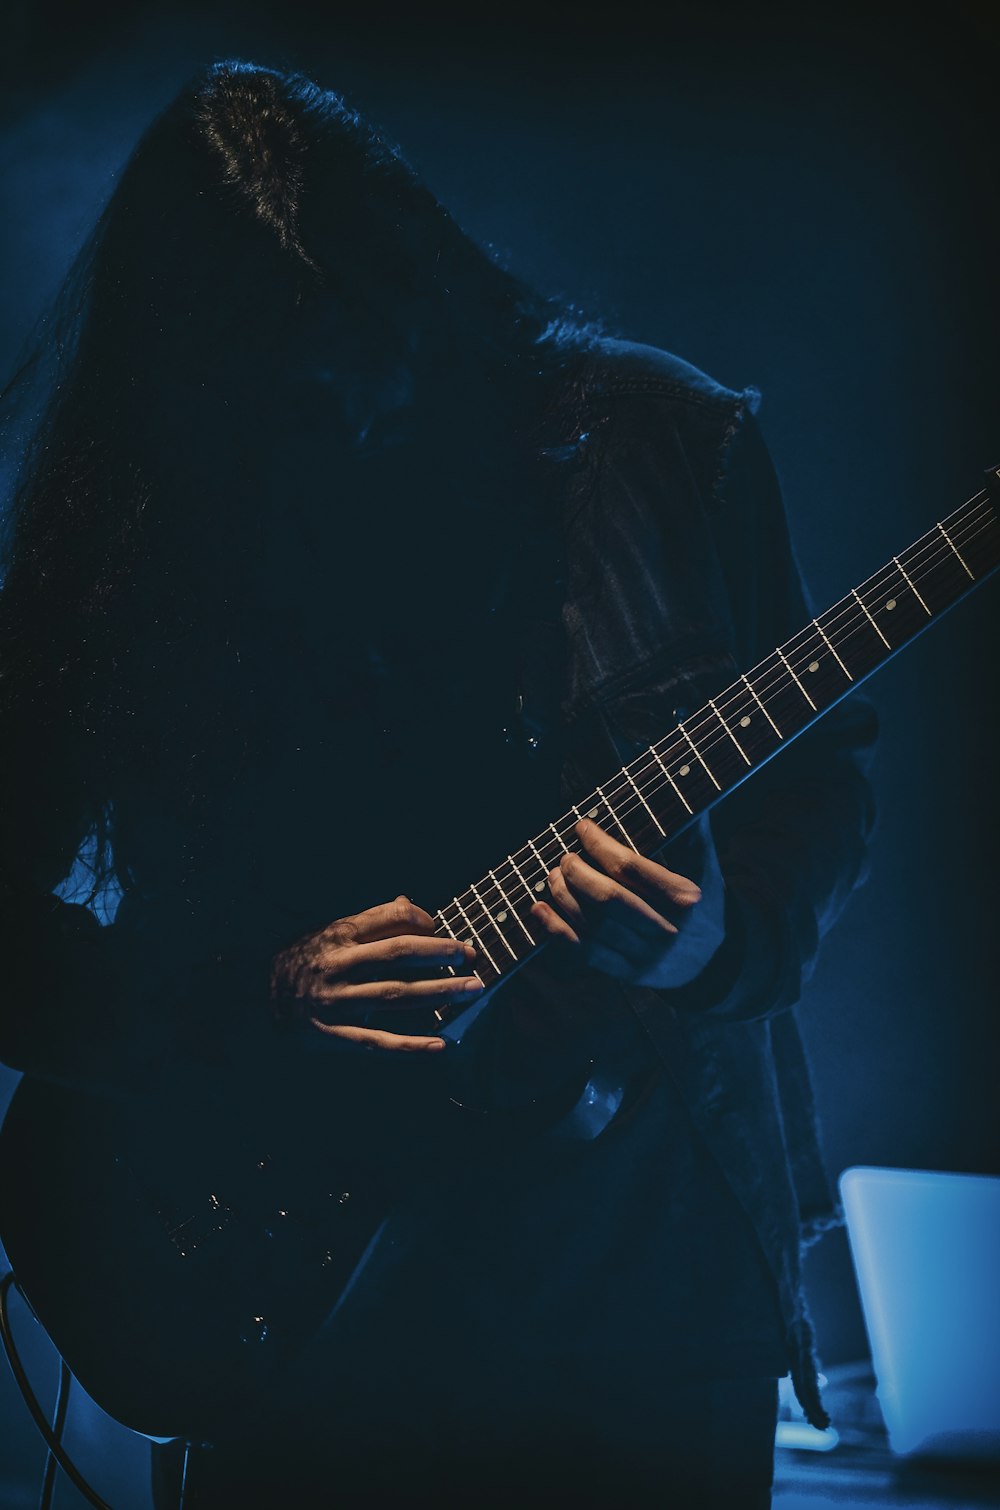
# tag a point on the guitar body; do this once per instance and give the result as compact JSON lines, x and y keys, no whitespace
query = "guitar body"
{"x":179,"y":1251}
{"x":178,"y":1261}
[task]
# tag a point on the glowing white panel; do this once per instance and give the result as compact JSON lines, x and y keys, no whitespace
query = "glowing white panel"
{"x":926,"y":1251}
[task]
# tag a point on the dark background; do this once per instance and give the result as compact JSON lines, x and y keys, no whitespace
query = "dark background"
{"x":801,"y":199}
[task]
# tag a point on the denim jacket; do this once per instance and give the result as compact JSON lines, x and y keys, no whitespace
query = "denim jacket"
{"x":678,"y":575}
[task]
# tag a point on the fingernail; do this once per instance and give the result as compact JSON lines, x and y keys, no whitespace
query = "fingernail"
{"x":436,"y":1045}
{"x":472,"y":986}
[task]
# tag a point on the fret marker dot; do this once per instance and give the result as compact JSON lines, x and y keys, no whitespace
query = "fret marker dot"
{"x":814,"y":665}
{"x":592,"y":813}
{"x":890,"y":605}
{"x":685,"y":770}
{"x":501,"y":917}
{"x":539,"y":885}
{"x":745,"y":721}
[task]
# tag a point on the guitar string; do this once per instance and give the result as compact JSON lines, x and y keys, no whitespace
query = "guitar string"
{"x":735,"y":696}
{"x":860,"y":623}
{"x":934,"y":550}
{"x":484,"y":915}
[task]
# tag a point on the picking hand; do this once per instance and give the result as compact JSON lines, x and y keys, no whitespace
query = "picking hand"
{"x":333,"y":980}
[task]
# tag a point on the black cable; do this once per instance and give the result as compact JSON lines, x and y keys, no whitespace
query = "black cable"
{"x":58,"y":1426}
{"x":58,"y":1454}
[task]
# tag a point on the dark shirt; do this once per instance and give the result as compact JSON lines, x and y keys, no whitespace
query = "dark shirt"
{"x":674,"y":573}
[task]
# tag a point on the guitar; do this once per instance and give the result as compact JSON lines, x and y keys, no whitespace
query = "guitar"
{"x":180,"y":1252}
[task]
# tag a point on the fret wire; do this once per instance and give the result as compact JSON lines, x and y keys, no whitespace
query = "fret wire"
{"x":444,"y":909}
{"x":538,"y":857}
{"x":574,"y":809}
{"x":861,"y":622}
{"x":990,"y":543}
{"x":954,"y":548}
{"x":980,"y":500}
{"x":444,"y":924}
{"x":450,"y":968}
{"x":795,"y":679}
{"x":615,"y":816}
{"x":517,"y":871}
{"x":832,"y":651}
{"x":986,"y":522}
{"x":559,"y":838}
{"x":760,"y":705}
{"x":735,"y":701}
{"x":642,"y":799}
{"x":925,"y":555}
{"x":512,"y":909}
{"x":699,"y":756}
{"x":475,"y":935}
{"x":475,"y":915}
{"x":496,"y":927}
{"x":729,"y":731}
{"x":673,"y":783}
{"x":871,"y":621}
{"x":472,"y":914}
{"x":906,"y":578}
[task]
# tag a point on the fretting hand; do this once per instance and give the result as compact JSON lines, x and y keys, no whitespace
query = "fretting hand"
{"x":334,"y":980}
{"x":631,"y":917}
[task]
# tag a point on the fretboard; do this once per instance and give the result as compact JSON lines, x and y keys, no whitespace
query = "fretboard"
{"x":707,"y":755}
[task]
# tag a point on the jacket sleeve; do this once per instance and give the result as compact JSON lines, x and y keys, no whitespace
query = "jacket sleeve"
{"x":792,"y":840}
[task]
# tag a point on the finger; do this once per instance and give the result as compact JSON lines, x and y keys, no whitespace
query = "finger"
{"x":404,"y":949}
{"x":402,"y":993}
{"x":552,"y":924}
{"x":599,"y":897}
{"x":563,"y":899}
{"x":635,"y":871}
{"x":384,"y":921}
{"x":378,"y":1038}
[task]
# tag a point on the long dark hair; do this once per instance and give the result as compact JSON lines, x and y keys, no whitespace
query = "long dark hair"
{"x":255,"y":272}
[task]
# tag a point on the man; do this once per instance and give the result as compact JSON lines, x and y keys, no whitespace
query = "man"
{"x":342,"y":565}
